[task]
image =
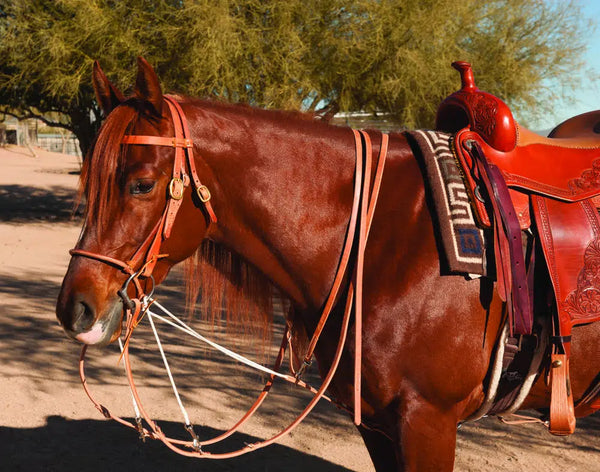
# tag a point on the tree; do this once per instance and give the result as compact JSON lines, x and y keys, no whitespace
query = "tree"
{"x":385,"y":56}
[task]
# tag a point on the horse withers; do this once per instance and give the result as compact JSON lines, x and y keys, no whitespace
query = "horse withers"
{"x":281,"y":189}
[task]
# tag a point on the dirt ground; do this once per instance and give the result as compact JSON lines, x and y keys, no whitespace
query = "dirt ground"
{"x":48,"y":424}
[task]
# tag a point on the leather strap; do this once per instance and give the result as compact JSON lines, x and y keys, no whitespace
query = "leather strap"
{"x":184,"y":146}
{"x":510,"y":264}
{"x":148,"y":253}
{"x":363,"y":208}
{"x":562,"y":414}
{"x":345,"y":257}
{"x":366,"y":218}
{"x":157,"y":141}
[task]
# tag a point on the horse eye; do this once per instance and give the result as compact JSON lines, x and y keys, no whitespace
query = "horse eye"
{"x":142,"y":186}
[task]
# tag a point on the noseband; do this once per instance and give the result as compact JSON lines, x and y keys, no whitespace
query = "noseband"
{"x":144,"y":259}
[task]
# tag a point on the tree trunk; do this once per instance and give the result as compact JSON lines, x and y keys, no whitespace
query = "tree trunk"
{"x":84,"y":128}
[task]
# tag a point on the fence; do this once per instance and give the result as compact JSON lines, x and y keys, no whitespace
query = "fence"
{"x":58,"y":143}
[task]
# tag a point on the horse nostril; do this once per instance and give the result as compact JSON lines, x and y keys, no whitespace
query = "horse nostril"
{"x":80,"y":316}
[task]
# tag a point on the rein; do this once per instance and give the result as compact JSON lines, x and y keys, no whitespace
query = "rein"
{"x":147,"y":255}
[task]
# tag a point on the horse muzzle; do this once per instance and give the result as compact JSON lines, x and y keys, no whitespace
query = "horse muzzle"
{"x":82,"y":323}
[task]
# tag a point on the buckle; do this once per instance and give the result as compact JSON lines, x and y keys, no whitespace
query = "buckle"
{"x":182,"y":143}
{"x":302,"y":368}
{"x":176,"y":188}
{"x":203,"y":193}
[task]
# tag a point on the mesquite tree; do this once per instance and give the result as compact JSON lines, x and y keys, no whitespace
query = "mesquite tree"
{"x":387,"y":55}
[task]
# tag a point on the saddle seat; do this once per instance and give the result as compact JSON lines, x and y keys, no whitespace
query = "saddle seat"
{"x":555,"y":183}
{"x":584,"y":125}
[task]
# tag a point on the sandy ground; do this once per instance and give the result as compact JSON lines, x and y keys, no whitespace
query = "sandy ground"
{"x":48,"y":424}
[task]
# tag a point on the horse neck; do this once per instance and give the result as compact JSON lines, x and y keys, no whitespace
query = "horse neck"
{"x":282,"y":190}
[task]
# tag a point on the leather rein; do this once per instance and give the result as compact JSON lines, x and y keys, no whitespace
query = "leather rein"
{"x":143,"y":261}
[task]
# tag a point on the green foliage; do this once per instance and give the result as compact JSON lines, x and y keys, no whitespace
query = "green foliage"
{"x":374,"y":55}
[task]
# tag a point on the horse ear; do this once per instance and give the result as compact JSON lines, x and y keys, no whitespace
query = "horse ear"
{"x":107,"y":95}
{"x":147,"y":86}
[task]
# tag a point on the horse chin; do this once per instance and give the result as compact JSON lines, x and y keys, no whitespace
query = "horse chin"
{"x":103,"y":331}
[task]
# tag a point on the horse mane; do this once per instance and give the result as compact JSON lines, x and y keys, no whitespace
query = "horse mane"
{"x":231,"y":291}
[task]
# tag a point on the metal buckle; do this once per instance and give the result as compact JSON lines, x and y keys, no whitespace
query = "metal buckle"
{"x":203,"y":193}
{"x":302,"y":368}
{"x":176,"y":188}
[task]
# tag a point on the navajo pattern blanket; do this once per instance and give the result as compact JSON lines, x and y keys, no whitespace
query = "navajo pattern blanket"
{"x":462,"y":240}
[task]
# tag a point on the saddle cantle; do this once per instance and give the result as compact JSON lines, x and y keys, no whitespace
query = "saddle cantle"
{"x":515,"y":178}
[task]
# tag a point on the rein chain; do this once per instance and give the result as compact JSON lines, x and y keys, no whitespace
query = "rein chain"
{"x":148,"y":254}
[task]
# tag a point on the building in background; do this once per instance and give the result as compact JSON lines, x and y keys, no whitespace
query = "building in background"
{"x":34,"y":133}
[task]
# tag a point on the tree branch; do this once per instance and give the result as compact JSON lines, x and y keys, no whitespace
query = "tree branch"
{"x":30,"y":114}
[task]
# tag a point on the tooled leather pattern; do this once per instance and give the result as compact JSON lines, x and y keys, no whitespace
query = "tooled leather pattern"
{"x":584,"y":302}
{"x":590,"y":179}
{"x":483,"y":111}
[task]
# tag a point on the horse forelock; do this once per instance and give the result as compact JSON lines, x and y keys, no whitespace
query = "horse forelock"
{"x":103,"y":167}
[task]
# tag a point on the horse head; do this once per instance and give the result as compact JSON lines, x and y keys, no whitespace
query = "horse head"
{"x":141,"y":217}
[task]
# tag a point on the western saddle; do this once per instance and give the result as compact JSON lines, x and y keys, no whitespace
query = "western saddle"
{"x":549,"y":187}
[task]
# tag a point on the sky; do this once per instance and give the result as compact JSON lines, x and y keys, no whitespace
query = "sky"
{"x":587,"y":98}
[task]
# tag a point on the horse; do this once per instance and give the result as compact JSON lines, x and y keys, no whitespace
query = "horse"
{"x":281,"y":195}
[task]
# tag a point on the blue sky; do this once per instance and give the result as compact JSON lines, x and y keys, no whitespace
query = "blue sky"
{"x":587,"y":98}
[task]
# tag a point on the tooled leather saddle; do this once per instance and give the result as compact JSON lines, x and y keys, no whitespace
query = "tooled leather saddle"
{"x":550,"y":187}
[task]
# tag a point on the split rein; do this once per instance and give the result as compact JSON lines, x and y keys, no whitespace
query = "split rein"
{"x":366,"y":191}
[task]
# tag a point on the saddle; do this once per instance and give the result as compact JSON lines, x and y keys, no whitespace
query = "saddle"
{"x":550,"y":187}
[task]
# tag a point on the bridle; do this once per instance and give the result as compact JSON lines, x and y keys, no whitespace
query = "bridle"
{"x":142,"y":263}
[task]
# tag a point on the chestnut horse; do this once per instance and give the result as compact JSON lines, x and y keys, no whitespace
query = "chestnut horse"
{"x":282,"y":188}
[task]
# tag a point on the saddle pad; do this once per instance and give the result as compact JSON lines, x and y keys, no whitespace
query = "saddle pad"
{"x":462,"y":240}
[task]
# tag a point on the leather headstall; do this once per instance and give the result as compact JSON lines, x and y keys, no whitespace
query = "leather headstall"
{"x":143,"y":261}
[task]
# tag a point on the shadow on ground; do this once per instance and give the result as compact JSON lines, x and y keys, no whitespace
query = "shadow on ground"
{"x":92,"y":445}
{"x":494,"y":445}
{"x":56,"y":357}
{"x":22,"y":204}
